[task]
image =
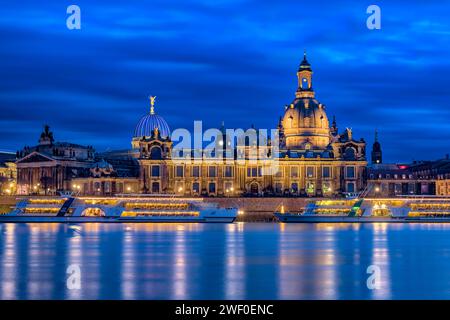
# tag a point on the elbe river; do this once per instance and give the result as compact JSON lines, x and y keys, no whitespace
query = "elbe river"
{"x":225,"y":261}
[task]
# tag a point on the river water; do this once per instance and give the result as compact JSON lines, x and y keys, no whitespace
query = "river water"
{"x":225,"y":261}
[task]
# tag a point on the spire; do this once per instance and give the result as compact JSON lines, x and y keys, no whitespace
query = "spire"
{"x":304,"y":65}
{"x":377,"y":154}
{"x":334,"y":128}
{"x":152,"y":104}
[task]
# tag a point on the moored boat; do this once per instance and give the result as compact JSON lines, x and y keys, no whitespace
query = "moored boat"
{"x":410,"y":209}
{"x":118,"y":209}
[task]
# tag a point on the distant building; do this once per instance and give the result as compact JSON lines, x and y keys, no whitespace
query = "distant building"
{"x":8,"y":173}
{"x":313,"y":158}
{"x":50,"y":166}
{"x":417,"y":178}
{"x":377,"y":156}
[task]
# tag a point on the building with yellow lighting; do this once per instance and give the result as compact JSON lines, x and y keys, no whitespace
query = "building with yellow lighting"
{"x":8,"y":173}
{"x":312,"y":159}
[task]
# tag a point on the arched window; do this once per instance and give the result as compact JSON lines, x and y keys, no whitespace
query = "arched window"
{"x":305,"y":83}
{"x":212,"y":187}
{"x":350,"y":154}
{"x":290,"y":122}
{"x":254,"y":188}
{"x":156,"y":153}
{"x":196,"y":188}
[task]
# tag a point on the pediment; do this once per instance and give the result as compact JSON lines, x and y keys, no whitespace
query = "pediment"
{"x":35,"y":157}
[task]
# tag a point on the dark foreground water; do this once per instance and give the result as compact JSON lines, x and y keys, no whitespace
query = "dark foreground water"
{"x":224,"y":261}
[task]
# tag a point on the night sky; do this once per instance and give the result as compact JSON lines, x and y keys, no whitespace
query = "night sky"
{"x":224,"y":60}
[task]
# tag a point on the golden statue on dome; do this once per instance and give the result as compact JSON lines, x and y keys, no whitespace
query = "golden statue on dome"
{"x":152,"y":104}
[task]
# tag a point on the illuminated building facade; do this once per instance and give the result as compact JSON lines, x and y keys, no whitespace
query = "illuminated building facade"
{"x":8,"y":173}
{"x":312,"y":159}
{"x":50,"y":166}
{"x":417,"y":178}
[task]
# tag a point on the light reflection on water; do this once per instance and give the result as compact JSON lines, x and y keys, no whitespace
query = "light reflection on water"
{"x":225,"y":261}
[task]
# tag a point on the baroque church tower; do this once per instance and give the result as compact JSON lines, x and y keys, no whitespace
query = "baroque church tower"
{"x":305,"y":123}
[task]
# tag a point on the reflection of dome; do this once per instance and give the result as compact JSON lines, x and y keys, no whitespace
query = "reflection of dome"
{"x":305,"y":122}
{"x":148,"y":123}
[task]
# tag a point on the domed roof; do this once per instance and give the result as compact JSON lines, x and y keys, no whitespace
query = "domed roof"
{"x":150,"y":122}
{"x":305,"y":122}
{"x":305,"y":114}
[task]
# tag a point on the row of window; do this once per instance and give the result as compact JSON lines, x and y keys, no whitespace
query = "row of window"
{"x":196,"y":171}
{"x":310,"y":187}
{"x":310,"y":172}
{"x":252,"y":172}
{"x":389,"y":176}
{"x":211,"y":188}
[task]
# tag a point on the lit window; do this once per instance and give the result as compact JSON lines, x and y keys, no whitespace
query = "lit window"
{"x":350,"y":172}
{"x":326,"y":172}
{"x":196,"y":187}
{"x":228,"y":171}
{"x":179,"y":172}
{"x":155,"y":171}
{"x":294,"y":172}
{"x":196,"y":171}
{"x":212,"y":171}
{"x":310,"y":172}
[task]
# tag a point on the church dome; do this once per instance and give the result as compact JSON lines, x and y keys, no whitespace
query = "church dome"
{"x":150,"y":122}
{"x":305,"y":124}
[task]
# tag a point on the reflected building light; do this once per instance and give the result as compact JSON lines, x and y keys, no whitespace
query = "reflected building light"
{"x":128,"y":265}
{"x":179,"y":273}
{"x":327,"y":274}
{"x":380,"y":228}
{"x":8,"y":268}
{"x":74,"y":256}
{"x":381,"y":258}
{"x":36,"y":280}
{"x":235,"y":274}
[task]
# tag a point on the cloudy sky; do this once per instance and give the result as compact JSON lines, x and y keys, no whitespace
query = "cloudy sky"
{"x":220,"y":60}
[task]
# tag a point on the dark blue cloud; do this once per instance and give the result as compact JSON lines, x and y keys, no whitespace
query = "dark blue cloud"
{"x":224,"y":60}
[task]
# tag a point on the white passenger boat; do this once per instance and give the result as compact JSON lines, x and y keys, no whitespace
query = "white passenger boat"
{"x":408,"y":209}
{"x":118,"y":209}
